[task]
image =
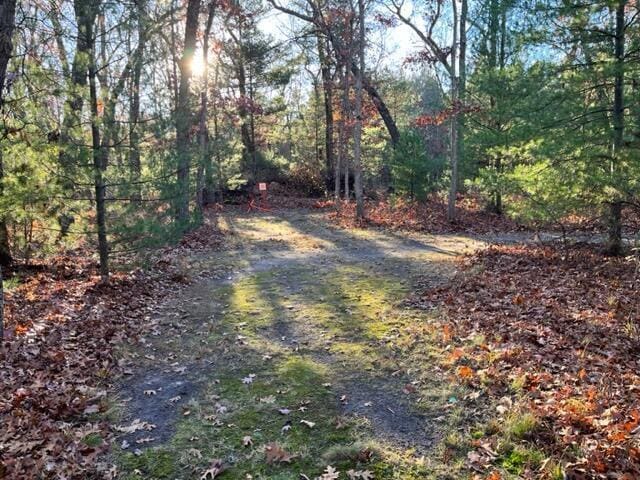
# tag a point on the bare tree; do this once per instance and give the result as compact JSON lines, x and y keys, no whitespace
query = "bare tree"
{"x":315,"y":16}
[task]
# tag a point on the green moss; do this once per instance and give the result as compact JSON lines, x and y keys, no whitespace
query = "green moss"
{"x":93,"y":440}
{"x":303,"y":373}
{"x":521,"y":457}
{"x":152,"y":464}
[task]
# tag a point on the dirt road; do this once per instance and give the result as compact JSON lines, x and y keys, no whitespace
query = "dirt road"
{"x":293,"y":351}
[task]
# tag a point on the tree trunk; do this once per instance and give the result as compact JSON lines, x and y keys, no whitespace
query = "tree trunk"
{"x":99,"y":155}
{"x":5,"y":249}
{"x":134,"y":101}
{"x":252,"y":126}
{"x":327,"y":88}
{"x":614,"y":242}
{"x":383,"y":110}
{"x":453,"y":139}
{"x":453,"y":134}
{"x":248,"y":146}
{"x":7,"y":24}
{"x":216,"y":137}
{"x":69,"y":144}
{"x":183,"y":112}
{"x":462,"y":81}
{"x":204,"y":100}
{"x":342,"y":131}
{"x":357,"y":136}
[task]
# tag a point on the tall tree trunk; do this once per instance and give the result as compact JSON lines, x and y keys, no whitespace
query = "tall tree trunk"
{"x":174,"y":57}
{"x":252,"y":126}
{"x":462,"y":82}
{"x":343,"y":72}
{"x":70,"y":143}
{"x":203,"y":130}
{"x":5,"y":249}
{"x":134,"y":100}
{"x":99,"y":153}
{"x":357,"y":137}
{"x":183,"y":112}
{"x":216,"y":137}
{"x":7,"y":24}
{"x":246,"y":135}
{"x":327,"y":88}
{"x":614,"y":242}
{"x":453,"y":134}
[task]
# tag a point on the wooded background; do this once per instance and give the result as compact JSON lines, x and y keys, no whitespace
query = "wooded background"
{"x":122,"y":119}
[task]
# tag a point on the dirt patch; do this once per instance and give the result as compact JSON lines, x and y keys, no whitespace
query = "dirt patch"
{"x":390,"y":411}
{"x":158,"y":398}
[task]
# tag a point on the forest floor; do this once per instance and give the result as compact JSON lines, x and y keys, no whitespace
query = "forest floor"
{"x":296,"y":344}
{"x":295,"y":357}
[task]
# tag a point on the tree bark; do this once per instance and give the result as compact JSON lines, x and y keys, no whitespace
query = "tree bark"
{"x":341,"y":133}
{"x":204,"y":100}
{"x":462,"y":82}
{"x":246,"y":116}
{"x":216,"y":137}
{"x":99,"y":153}
{"x":346,"y":114}
{"x":134,"y":101}
{"x":357,"y":137}
{"x":183,"y":112}
{"x":69,"y":145}
{"x":5,"y":249}
{"x":453,"y":135}
{"x":7,"y":24}
{"x":327,"y":88}
{"x":614,"y":242}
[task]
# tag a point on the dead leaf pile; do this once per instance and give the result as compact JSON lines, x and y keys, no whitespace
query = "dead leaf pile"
{"x":564,"y":326}
{"x":58,"y":362}
{"x":429,"y":216}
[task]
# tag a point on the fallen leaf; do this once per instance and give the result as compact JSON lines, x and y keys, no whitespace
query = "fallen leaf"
{"x":213,"y":471}
{"x":330,"y":473}
{"x":276,"y":454}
